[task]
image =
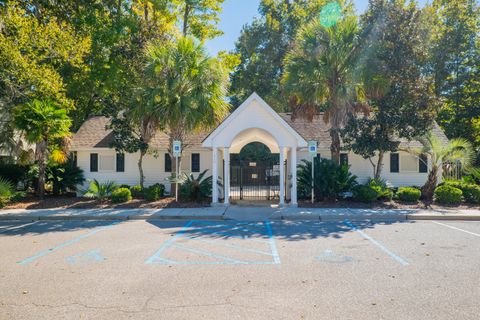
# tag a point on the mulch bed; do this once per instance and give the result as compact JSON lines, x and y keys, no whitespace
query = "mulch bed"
{"x":381,"y":205}
{"x":72,"y":202}
{"x":64,"y":202}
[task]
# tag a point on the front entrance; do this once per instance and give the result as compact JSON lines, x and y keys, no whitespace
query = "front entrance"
{"x":255,"y":174}
{"x":255,"y":180}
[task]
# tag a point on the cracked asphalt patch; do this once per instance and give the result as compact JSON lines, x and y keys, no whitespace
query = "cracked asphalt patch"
{"x":327,"y":270}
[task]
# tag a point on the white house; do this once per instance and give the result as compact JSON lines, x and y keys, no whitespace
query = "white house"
{"x":253,"y":121}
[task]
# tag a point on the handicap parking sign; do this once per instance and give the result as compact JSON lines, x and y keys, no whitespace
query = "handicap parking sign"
{"x":312,"y":147}
{"x":177,"y":147}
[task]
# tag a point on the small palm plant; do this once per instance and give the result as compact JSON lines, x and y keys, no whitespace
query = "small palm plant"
{"x":100,"y":191}
{"x":455,"y":151}
{"x":6,"y":191}
{"x":196,"y":189}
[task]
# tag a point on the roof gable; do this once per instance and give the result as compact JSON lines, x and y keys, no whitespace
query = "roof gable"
{"x":253,"y":113}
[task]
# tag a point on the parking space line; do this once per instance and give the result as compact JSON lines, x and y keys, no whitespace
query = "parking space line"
{"x":208,"y":254}
{"x":229,"y":245}
{"x":378,"y":244}
{"x":167,"y":244}
{"x":65,"y":244}
{"x":455,"y":228}
{"x":194,"y":233}
{"x":273,"y":246}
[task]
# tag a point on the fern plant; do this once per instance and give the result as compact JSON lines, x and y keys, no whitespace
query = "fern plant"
{"x":100,"y":191}
{"x":6,"y":191}
{"x":330,"y":179}
{"x":197,"y":188}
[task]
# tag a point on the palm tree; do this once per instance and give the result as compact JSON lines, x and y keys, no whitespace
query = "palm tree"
{"x":455,"y":151}
{"x":322,"y":70}
{"x":185,"y":88}
{"x":42,"y":121}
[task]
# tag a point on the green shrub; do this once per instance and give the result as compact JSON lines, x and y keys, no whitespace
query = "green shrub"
{"x":453,"y":183}
{"x":6,"y":192}
{"x":408,"y":194}
{"x":154,"y":192}
{"x":471,"y":193}
{"x":448,"y":195}
{"x":366,"y":193}
{"x":121,"y":195}
{"x":100,"y":191}
{"x":124,"y":186}
{"x":137,"y":191}
{"x":64,"y":177}
{"x":331,"y":179}
{"x":196,"y":189}
{"x":381,"y":187}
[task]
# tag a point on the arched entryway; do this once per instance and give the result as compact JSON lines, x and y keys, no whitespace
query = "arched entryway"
{"x":254,"y":121}
{"x":255,"y":174}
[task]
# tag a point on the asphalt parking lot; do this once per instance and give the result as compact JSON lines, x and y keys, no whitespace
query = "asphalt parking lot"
{"x":239,"y":270}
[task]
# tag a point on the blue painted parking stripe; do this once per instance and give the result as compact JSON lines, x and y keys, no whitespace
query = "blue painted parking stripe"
{"x":168,"y":243}
{"x":375,"y":242}
{"x":65,"y":244}
{"x":208,"y":254}
{"x":273,"y":246}
{"x":229,"y":245}
{"x":227,"y":234}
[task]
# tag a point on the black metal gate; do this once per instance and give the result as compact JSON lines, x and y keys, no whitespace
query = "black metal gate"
{"x":255,"y":180}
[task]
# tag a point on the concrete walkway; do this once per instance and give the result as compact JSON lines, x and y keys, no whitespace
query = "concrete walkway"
{"x":240,"y":213}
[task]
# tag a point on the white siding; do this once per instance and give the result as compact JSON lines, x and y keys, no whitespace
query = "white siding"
{"x":153,"y":167}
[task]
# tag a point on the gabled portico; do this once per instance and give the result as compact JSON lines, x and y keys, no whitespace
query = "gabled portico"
{"x":254,"y":121}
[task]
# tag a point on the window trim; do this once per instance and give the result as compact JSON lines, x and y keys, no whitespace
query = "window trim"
{"x":165,"y":157}
{"x":398,"y":162}
{"x":423,"y":163}
{"x":94,"y":156}
{"x":191,"y":162}
{"x":347,"y":162}
{"x":117,"y":156}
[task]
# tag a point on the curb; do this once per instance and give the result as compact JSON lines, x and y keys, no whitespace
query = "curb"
{"x":105,"y":218}
{"x":302,"y":217}
{"x":443,"y":217}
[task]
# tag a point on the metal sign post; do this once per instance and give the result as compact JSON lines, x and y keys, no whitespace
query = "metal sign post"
{"x":312,"y":149}
{"x":177,"y":150}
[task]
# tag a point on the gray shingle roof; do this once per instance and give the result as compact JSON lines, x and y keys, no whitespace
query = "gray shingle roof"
{"x":93,"y":134}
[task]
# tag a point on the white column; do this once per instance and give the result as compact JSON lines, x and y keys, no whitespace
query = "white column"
{"x":282,"y":175}
{"x":214,"y":176}
{"x":226,"y":175}
{"x":293,"y":171}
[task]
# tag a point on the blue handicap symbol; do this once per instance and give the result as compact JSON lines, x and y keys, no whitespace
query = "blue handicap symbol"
{"x":331,"y":257}
{"x":86,"y":257}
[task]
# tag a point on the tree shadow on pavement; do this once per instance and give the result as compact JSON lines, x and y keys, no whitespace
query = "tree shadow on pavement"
{"x":282,"y":230}
{"x":21,"y":228}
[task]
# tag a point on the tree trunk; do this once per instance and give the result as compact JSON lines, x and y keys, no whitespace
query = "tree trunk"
{"x":140,"y":168}
{"x":428,"y":188}
{"x":186,"y":14}
{"x":378,"y":171}
{"x":42,"y":149}
{"x":335,"y":146}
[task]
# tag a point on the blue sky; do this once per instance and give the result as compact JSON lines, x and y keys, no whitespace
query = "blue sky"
{"x":236,"y":13}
